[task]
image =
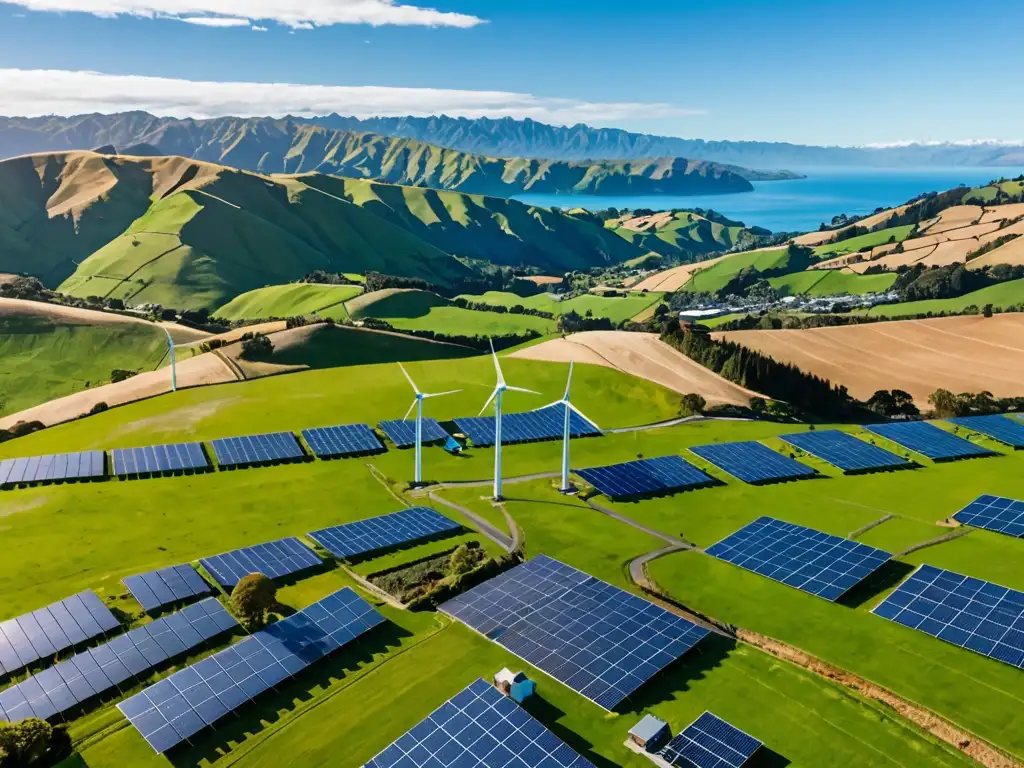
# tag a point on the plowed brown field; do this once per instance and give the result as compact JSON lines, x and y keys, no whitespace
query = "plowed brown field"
{"x":962,"y":354}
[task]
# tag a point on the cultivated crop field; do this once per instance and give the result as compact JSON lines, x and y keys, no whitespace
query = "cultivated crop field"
{"x":345,"y":709}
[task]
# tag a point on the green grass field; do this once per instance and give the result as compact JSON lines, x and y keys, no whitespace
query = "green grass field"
{"x":718,"y":275}
{"x":831,"y":282}
{"x":615,"y":309}
{"x":366,"y":696}
{"x":1000,"y":295}
{"x":871,"y":239}
{"x":326,"y":346}
{"x":290,"y":300}
{"x":423,"y":311}
{"x":987,"y":194}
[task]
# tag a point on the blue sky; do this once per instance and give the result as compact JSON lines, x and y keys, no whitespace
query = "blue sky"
{"x":806,"y":71}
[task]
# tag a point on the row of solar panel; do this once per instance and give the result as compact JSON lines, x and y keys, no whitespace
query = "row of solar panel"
{"x":176,"y":708}
{"x":165,"y":586}
{"x":710,"y":742}
{"x":46,"y":632}
{"x":543,"y":424}
{"x":93,"y":672}
{"x":85,"y":465}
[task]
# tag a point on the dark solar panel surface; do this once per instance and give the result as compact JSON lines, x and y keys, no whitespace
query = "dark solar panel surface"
{"x":599,"y":640}
{"x":994,"y":513}
{"x":479,"y":728}
{"x":156,"y":589}
{"x":752,"y":462}
{"x":48,"y":631}
{"x":974,"y":614}
{"x":383,"y":532}
{"x":710,"y":742}
{"x":800,"y":557}
{"x":155,"y":459}
{"x":845,"y":451}
{"x":996,"y":426}
{"x":84,"y":465}
{"x":928,"y":440}
{"x":636,"y":478}
{"x":343,"y":440}
{"x":274,"y":559}
{"x":403,"y":433}
{"x":257,"y":449}
{"x":179,"y":706}
{"x":544,"y":424}
{"x":95,"y":671}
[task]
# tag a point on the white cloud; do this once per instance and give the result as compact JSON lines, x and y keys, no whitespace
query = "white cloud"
{"x":256,"y":28}
{"x":44,"y":92}
{"x":292,"y":13}
{"x":216,"y":21}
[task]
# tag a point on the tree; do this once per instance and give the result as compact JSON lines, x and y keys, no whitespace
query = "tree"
{"x":945,"y":403}
{"x":119,"y":374}
{"x":252,"y":598}
{"x":256,"y":346}
{"x":758,"y":405}
{"x":462,"y":561}
{"x":692,"y":404}
{"x":987,"y":311}
{"x":883,"y":403}
{"x":32,"y":742}
{"x":904,"y":403}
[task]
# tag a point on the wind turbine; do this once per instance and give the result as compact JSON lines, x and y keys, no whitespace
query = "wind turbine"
{"x":418,"y":405}
{"x":174,"y":370}
{"x":566,"y":435}
{"x":499,"y":388}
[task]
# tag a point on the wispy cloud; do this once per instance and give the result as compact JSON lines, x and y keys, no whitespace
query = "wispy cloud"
{"x":257,"y":28}
{"x":216,"y":21}
{"x":59,"y":92}
{"x":291,"y":13}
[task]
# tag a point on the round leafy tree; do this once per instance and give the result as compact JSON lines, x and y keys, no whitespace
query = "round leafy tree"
{"x":252,"y":598}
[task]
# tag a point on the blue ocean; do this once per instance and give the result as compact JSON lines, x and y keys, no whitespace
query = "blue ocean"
{"x":802,"y":204}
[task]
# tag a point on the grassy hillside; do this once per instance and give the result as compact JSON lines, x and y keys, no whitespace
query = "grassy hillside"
{"x":615,"y":309}
{"x":290,"y":301}
{"x":831,"y":282}
{"x":679,"y":234}
{"x":424,"y":311}
{"x":718,"y":275}
{"x":46,"y":357}
{"x":869,"y":240}
{"x":1001,"y":295}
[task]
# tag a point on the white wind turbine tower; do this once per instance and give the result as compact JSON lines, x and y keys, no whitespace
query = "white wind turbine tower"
{"x":499,"y":388}
{"x":174,"y":370}
{"x":566,"y":434}
{"x":418,"y":405}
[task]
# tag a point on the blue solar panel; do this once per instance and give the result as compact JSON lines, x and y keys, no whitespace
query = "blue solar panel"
{"x":159,"y":459}
{"x":599,"y":640}
{"x":800,"y":557}
{"x":343,"y":440}
{"x":710,"y":742}
{"x":974,"y":614}
{"x":257,"y":449}
{"x":274,"y":559}
{"x":994,"y":513}
{"x":86,"y":465}
{"x":403,"y":433}
{"x":156,"y":589}
{"x":544,"y":424}
{"x":179,"y":706}
{"x":646,"y":476}
{"x":48,"y":631}
{"x":845,"y":451}
{"x":96,"y":671}
{"x":383,"y":532}
{"x":996,"y":426}
{"x":753,"y":462}
{"x":928,"y":440}
{"x":479,"y":728}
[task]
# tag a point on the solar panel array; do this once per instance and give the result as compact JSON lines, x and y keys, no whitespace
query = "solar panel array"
{"x":343,"y":440}
{"x":800,"y":557}
{"x":845,"y":451}
{"x":179,"y":706}
{"x":928,"y":440}
{"x":994,"y":513}
{"x":543,"y":424}
{"x":48,"y":631}
{"x":599,"y":640}
{"x":638,"y":478}
{"x":61,"y":688}
{"x":752,"y":462}
{"x":479,"y":728}
{"x":156,"y":589}
{"x":156,"y":459}
{"x":257,"y":449}
{"x":85,"y":465}
{"x":273,"y":559}
{"x":710,"y":742}
{"x":383,"y":532}
{"x":970,"y":613}
{"x":997,"y":426}
{"x":403,"y":433}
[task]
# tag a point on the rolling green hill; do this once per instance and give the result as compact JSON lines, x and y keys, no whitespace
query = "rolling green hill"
{"x":615,"y":309}
{"x":868,"y":240}
{"x":290,"y":301}
{"x":831,"y":282}
{"x":1000,"y":295}
{"x":414,"y":310}
{"x":719,"y":274}
{"x":681,"y":234}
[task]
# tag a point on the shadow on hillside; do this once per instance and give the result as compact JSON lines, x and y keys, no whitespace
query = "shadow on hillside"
{"x":272,"y":707}
{"x":678,"y":676}
{"x":550,"y":717}
{"x":879,"y":582}
{"x":766,"y":757}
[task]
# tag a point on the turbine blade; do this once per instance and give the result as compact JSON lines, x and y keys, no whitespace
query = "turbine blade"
{"x":582,"y":414}
{"x":406,"y":417}
{"x":520,"y":389}
{"x":442,"y":394}
{"x":409,"y":379}
{"x":568,"y":382}
{"x":550,"y":405}
{"x":489,"y":399}
{"x":497,"y":367}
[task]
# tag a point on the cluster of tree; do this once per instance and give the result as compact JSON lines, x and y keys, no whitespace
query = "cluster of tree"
{"x":119,"y":374}
{"x":892,"y":403}
{"x":256,"y":347}
{"x":32,"y":743}
{"x":692,"y":404}
{"x":20,"y":429}
{"x":482,"y":343}
{"x":253,"y":599}
{"x":754,"y":370}
{"x":515,"y":309}
{"x":322,"y":277}
{"x":573,"y":322}
{"x":991,"y":245}
{"x":946,"y":404}
{"x":918,"y":282}
{"x":499,"y":279}
{"x":24,"y":288}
